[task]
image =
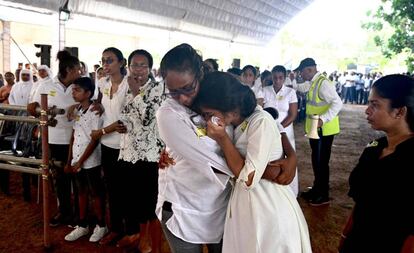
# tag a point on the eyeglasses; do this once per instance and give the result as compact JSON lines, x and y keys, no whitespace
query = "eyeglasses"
{"x":107,"y":61}
{"x":137,"y":66}
{"x":186,"y":90}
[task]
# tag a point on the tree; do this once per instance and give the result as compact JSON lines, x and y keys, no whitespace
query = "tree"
{"x":399,"y":15}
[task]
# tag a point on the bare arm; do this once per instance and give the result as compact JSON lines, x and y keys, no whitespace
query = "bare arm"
{"x":248,"y":169}
{"x":117,"y":126}
{"x":68,"y":165}
{"x":99,"y":99}
{"x":3,"y":96}
{"x":292,"y":114}
{"x":88,"y":151}
{"x":287,"y":164}
{"x":233,"y":158}
{"x":346,"y":230}
{"x":260,"y":101}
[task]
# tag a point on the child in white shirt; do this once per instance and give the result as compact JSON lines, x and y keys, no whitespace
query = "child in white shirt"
{"x":85,"y":161}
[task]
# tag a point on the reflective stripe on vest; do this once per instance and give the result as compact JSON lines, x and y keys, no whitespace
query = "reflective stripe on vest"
{"x":315,"y":92}
{"x":315,"y":105}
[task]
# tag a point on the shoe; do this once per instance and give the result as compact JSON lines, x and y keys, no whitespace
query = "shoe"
{"x":98,"y":233}
{"x":56,"y":220}
{"x":128,"y":241}
{"x":110,"y":238}
{"x":308,"y":195}
{"x":77,"y":233}
{"x":319,"y":201}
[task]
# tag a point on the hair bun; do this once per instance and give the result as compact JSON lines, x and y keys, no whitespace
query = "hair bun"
{"x":61,"y":55}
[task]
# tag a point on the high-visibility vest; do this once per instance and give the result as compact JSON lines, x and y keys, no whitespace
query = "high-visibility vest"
{"x":315,"y":105}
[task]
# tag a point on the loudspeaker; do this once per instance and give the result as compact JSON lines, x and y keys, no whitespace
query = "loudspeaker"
{"x":313,"y":133}
{"x":44,"y":54}
{"x":73,"y":51}
{"x":236,"y":63}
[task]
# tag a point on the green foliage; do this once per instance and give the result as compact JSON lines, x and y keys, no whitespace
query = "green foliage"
{"x":398,"y":14}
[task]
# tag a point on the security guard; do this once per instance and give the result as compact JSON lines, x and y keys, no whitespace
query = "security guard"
{"x":323,"y":101}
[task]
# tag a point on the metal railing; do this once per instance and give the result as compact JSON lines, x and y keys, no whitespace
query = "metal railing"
{"x":16,"y":163}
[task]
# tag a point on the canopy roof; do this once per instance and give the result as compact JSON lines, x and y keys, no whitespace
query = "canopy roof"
{"x":252,"y":21}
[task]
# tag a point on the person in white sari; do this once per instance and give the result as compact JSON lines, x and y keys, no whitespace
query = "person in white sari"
{"x":262,"y":217}
{"x":20,"y":92}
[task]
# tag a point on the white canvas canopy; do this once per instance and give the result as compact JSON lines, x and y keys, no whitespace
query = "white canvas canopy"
{"x":256,"y":21}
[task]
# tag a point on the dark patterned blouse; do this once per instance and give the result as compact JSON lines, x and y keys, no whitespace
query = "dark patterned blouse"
{"x":142,"y":141}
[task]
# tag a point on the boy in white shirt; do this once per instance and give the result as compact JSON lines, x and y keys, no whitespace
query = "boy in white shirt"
{"x":85,"y":161}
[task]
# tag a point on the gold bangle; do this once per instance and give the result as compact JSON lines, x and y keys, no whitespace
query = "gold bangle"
{"x":103,"y":131}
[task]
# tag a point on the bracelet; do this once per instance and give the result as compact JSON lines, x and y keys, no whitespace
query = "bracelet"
{"x":103,"y":131}
{"x":343,"y":236}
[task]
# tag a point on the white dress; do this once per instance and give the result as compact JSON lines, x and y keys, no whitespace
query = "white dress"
{"x":263,"y":217}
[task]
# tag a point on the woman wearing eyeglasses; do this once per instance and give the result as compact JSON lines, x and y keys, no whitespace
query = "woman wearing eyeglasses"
{"x":140,"y":149}
{"x":195,"y":190}
{"x":112,"y":95}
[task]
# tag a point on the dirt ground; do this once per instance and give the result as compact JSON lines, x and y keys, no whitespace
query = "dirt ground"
{"x":21,"y":225}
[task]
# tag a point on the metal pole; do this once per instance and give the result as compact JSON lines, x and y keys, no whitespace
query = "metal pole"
{"x":53,"y":111}
{"x":45,"y":169}
{"x":20,"y":119}
{"x":21,"y":51}
{"x":18,"y":168}
{"x":23,"y":160}
{"x":13,"y":107}
{"x":62,"y":33}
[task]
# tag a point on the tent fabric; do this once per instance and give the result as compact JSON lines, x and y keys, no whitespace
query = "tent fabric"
{"x":258,"y":20}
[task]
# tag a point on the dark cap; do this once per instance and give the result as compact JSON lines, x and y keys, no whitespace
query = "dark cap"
{"x":307,"y":62}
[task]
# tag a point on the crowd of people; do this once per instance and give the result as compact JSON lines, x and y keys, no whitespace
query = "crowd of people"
{"x":208,"y":157}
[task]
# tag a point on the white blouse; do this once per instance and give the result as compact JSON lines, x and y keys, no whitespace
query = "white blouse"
{"x":199,"y":196}
{"x":113,"y":107}
{"x":281,"y":102}
{"x":141,"y":141}
{"x":60,"y":96}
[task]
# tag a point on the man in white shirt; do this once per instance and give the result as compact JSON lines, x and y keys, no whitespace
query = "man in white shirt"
{"x":324,"y":101}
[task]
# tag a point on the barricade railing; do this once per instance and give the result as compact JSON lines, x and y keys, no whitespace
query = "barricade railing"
{"x":16,"y":163}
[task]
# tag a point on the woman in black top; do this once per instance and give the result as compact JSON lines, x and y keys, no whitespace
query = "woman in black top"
{"x":382,"y":182}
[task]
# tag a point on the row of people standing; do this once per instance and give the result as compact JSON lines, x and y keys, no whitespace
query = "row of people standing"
{"x":130,"y":148}
{"x":354,"y":87}
{"x":130,"y":158}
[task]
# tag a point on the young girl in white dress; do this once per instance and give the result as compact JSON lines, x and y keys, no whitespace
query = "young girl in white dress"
{"x":261,"y":216}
